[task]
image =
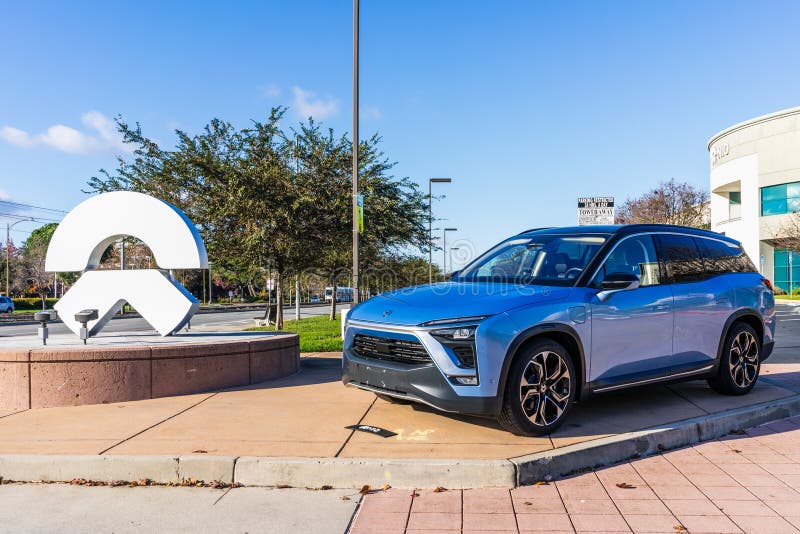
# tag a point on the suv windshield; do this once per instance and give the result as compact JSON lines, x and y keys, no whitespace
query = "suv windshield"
{"x":542,"y":259}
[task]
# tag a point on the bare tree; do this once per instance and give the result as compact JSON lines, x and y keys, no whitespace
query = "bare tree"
{"x":672,"y":202}
{"x":787,"y":234}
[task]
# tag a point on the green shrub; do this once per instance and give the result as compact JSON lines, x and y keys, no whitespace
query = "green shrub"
{"x":32,"y":304}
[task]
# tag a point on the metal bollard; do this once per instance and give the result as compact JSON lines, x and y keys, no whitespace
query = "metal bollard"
{"x":83,"y":317}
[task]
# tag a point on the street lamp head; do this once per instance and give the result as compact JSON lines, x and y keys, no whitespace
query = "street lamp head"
{"x":451,"y":229}
{"x":440,"y":180}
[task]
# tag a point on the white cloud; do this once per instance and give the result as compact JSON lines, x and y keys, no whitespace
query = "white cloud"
{"x":102,"y":136}
{"x":271,"y":91}
{"x":306,"y":104}
{"x":4,"y":195}
{"x":15,"y":136}
{"x":370,"y":112}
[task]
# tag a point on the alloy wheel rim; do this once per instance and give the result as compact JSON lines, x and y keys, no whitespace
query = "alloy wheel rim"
{"x":743,"y":359}
{"x":545,"y":388}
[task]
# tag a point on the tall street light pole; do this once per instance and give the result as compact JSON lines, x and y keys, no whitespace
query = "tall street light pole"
{"x":355,"y":152}
{"x":451,"y":255}
{"x":432,"y":181}
{"x":8,"y":242}
{"x":444,"y":248}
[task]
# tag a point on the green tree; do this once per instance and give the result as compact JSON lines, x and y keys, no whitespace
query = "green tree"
{"x":265,"y":200}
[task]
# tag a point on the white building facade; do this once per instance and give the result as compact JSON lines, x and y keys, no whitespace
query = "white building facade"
{"x":755,"y":189}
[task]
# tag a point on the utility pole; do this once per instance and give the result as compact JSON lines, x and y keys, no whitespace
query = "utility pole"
{"x":297,"y":276}
{"x":355,"y":152}
{"x":432,"y":181}
{"x":444,"y":249}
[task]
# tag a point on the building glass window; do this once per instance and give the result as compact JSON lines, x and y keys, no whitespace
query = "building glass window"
{"x":781,"y":278}
{"x":735,"y":205}
{"x":780,"y":199}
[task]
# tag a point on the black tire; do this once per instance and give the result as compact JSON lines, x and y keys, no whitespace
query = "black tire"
{"x":526,"y":412}
{"x":393,"y":400}
{"x":740,"y":362}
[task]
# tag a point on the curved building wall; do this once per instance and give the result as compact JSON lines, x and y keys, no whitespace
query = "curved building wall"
{"x":755,"y":188}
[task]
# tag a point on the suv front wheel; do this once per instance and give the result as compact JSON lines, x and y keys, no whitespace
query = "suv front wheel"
{"x":540,"y":389}
{"x":740,"y":362}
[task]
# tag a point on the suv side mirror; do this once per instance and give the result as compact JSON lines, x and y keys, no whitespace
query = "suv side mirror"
{"x":618,"y":281}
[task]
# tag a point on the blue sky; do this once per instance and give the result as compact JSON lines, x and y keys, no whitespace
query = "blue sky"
{"x":527,"y":105}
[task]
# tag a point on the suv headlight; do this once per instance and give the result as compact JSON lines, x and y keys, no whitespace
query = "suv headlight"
{"x":460,"y":340}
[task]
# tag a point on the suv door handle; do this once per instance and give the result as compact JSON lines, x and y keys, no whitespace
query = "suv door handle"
{"x":660,"y":307}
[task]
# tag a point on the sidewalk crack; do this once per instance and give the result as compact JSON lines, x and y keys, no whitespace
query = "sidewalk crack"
{"x":687,"y":399}
{"x":353,"y":431}
{"x":222,"y":496}
{"x":201,"y":401}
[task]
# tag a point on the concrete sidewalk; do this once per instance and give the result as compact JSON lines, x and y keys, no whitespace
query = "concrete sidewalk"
{"x":293,"y":431}
{"x":67,"y":508}
{"x":748,"y":482}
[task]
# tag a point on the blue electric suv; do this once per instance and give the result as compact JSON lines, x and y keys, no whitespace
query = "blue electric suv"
{"x":554,"y":315}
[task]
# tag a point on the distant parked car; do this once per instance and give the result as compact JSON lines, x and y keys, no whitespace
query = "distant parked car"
{"x":552,"y":316}
{"x":314,"y":299}
{"x":6,"y":305}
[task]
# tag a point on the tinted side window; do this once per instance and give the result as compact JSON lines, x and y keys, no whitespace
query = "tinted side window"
{"x":634,"y":255}
{"x":722,"y":257}
{"x":681,"y":258}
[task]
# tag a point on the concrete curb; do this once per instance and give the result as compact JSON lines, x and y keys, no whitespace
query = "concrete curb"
{"x":356,"y":472}
{"x":604,"y":451}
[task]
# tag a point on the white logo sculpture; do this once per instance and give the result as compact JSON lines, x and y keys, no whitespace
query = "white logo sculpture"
{"x":86,"y":232}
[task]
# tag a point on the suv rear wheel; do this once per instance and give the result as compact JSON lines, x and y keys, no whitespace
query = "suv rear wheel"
{"x":740,"y":362}
{"x":539,"y":391}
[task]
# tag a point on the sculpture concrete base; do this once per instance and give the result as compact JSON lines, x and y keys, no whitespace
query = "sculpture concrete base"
{"x":138,"y":366}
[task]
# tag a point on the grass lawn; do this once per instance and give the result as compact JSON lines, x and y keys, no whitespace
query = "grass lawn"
{"x":317,"y":334}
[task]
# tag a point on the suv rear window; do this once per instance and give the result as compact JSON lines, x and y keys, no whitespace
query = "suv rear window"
{"x":681,"y":257}
{"x":721,"y":257}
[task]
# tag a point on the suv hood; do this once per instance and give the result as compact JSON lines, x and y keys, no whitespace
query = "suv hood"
{"x":451,"y":300}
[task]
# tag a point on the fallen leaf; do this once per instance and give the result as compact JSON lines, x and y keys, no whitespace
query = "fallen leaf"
{"x":364,"y":489}
{"x":625,"y":485}
{"x":542,"y":483}
{"x":661,"y":447}
{"x":283,"y":486}
{"x":414,"y":494}
{"x":735,"y":450}
{"x":386,"y":487}
{"x":344,"y":498}
{"x":679,"y":527}
{"x":199,"y":451}
{"x":326,"y":487}
{"x":528,"y":503}
{"x":439,"y":489}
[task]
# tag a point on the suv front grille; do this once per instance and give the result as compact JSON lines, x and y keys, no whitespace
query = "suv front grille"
{"x":391,"y":350}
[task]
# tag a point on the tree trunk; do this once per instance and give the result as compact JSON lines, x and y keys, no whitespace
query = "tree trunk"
{"x":279,"y":302}
{"x":333,"y":299}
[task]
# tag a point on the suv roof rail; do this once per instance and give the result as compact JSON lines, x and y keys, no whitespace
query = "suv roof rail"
{"x":535,"y":229}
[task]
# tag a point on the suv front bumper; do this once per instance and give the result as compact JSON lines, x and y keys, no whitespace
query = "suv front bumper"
{"x":418,"y":383}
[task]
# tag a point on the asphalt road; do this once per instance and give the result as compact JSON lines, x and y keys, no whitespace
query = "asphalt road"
{"x":234,"y":320}
{"x":787,"y":334}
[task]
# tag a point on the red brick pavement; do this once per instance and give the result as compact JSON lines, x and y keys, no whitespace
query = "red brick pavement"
{"x":740,"y":483}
